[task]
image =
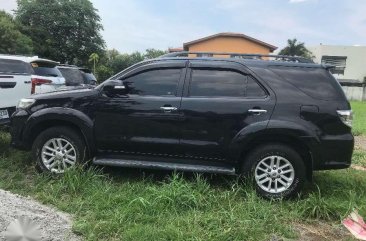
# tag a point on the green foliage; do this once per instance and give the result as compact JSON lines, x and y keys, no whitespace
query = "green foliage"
{"x":359,"y":122}
{"x":103,"y":72}
{"x":124,"y":61}
{"x":94,"y":58}
{"x":12,"y":41}
{"x":66,"y":31}
{"x":113,"y":62}
{"x":295,"y":48}
{"x":154,"y":53}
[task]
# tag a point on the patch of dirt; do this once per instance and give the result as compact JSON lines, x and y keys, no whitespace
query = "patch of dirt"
{"x":54,"y":225}
{"x":359,"y":168}
{"x":360,"y":142}
{"x":320,"y":231}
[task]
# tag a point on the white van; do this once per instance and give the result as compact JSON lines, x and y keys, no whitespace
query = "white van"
{"x":15,"y":83}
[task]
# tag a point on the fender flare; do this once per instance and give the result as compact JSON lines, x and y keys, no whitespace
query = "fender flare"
{"x":61,"y":114}
{"x":252,"y":134}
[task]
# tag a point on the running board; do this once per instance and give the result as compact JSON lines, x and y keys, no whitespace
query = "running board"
{"x":163,"y":165}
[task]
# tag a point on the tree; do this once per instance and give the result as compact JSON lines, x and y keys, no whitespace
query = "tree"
{"x":124,"y":61}
{"x":65,"y":31}
{"x":112,"y":54}
{"x":295,"y":48}
{"x":154,"y":53}
{"x":94,"y":58}
{"x":112,"y":62}
{"x":12,"y":41}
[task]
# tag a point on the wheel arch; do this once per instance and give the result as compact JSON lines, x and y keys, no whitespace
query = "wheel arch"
{"x":287,"y":138}
{"x":46,"y":118}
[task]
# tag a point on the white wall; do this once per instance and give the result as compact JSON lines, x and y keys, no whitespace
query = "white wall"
{"x":356,"y":59}
{"x":355,"y":92}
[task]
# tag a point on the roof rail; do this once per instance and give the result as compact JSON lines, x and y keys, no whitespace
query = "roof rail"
{"x":68,"y":65}
{"x":285,"y":58}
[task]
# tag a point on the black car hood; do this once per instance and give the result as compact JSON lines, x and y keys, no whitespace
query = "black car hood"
{"x":75,"y":93}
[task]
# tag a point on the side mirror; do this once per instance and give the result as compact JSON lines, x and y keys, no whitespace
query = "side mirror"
{"x":115,"y":87}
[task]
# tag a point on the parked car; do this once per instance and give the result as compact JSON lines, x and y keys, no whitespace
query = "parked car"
{"x":273,"y":121}
{"x":47,"y":77}
{"x":76,"y":76}
{"x":89,"y":78}
{"x":15,"y":83}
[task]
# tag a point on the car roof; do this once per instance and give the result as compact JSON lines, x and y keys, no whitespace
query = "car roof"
{"x":16,"y":57}
{"x":28,"y":59}
{"x":246,"y":62}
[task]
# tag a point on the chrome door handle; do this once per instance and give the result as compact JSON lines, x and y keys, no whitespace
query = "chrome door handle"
{"x":168,"y":108}
{"x":257,"y":111}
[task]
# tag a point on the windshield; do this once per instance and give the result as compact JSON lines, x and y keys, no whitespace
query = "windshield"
{"x":72,"y":76}
{"x":47,"y":71}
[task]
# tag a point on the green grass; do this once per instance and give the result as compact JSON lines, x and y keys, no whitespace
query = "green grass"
{"x":359,"y":122}
{"x":359,"y":158}
{"x":126,"y":204}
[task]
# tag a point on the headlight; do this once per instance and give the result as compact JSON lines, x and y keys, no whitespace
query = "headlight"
{"x":346,"y":116}
{"x":24,"y":103}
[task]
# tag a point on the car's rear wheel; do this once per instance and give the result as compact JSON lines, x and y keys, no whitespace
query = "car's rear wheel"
{"x":57,"y":149}
{"x":277,"y":171}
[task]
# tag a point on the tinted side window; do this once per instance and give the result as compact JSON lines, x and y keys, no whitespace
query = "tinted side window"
{"x":224,"y":83}
{"x":158,"y":82}
{"x":11,"y":66}
{"x":73,"y":77}
{"x":315,"y":82}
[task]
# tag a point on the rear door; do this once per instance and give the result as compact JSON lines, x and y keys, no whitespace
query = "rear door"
{"x":220,"y":99}
{"x":15,"y":81}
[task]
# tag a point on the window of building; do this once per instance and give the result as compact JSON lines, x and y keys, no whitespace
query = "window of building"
{"x":158,"y":82}
{"x":338,"y":61}
{"x":204,"y":55}
{"x":223,"y":83}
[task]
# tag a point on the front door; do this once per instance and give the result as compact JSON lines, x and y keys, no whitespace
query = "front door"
{"x":219,"y":102}
{"x":145,"y":120}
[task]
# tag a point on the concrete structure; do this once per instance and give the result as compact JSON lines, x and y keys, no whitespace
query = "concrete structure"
{"x":228,"y":43}
{"x":350,"y":67}
{"x":355,"y":92}
{"x":350,"y":61}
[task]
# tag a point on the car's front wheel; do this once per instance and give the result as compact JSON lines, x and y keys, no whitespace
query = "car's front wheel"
{"x":278,"y":171}
{"x":57,"y":149}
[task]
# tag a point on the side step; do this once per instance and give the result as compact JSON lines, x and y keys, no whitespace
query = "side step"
{"x":163,"y":165}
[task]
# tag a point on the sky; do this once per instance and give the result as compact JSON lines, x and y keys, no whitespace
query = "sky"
{"x":135,"y":25}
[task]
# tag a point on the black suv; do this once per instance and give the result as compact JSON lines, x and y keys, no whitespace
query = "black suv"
{"x":274,"y":121}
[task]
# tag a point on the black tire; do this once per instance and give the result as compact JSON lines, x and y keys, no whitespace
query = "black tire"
{"x":66,"y":133}
{"x":265,"y":151}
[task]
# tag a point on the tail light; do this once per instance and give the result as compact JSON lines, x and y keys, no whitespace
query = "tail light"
{"x":346,"y":117}
{"x":37,"y":82}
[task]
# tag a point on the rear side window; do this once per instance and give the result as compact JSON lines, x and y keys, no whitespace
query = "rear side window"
{"x":157,"y":82}
{"x":89,"y":78}
{"x":44,"y":69}
{"x":72,"y":77}
{"x":224,"y":83}
{"x":315,"y":82}
{"x":10,"y":66}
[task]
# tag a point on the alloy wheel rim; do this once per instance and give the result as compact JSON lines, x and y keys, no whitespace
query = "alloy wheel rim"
{"x":58,"y":155}
{"x":274,"y":174}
